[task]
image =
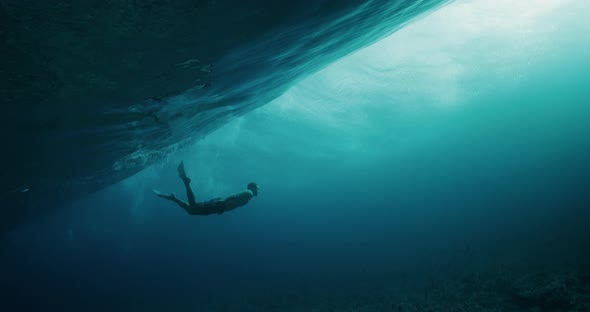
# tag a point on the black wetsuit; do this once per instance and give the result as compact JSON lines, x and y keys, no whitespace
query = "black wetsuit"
{"x":219,"y":205}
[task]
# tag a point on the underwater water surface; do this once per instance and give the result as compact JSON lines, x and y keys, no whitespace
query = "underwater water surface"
{"x":443,"y":168}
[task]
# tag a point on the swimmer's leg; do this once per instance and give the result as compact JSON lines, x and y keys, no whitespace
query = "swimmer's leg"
{"x":189,"y":193}
{"x":173,"y":198}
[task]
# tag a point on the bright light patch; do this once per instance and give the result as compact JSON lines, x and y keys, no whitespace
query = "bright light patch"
{"x":461,"y":54}
{"x":436,"y":59}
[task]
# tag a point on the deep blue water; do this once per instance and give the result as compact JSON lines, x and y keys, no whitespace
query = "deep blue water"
{"x":409,"y":176}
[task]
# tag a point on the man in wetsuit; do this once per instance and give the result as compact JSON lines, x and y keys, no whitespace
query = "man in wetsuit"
{"x":217,"y":205}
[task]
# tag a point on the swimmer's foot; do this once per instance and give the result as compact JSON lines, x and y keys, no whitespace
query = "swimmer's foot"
{"x":182,"y":173}
{"x":167,"y":196}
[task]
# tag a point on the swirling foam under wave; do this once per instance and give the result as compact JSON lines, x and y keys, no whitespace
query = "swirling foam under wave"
{"x":83,"y":134}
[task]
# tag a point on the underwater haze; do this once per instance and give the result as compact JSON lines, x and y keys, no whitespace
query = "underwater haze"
{"x":443,"y":168}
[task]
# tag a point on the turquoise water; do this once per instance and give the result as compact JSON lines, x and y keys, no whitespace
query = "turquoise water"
{"x":409,"y":176}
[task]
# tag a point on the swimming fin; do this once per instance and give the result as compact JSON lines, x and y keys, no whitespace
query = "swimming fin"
{"x":167,"y":196}
{"x":182,"y":173}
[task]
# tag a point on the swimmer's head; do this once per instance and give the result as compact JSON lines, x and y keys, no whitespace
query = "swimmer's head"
{"x":254,"y":188}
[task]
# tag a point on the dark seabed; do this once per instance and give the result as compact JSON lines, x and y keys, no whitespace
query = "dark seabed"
{"x":442,"y":168}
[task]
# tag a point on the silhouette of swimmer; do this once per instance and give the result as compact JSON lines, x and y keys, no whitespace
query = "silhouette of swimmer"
{"x":217,"y":205}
